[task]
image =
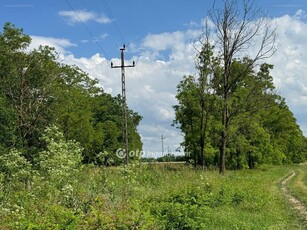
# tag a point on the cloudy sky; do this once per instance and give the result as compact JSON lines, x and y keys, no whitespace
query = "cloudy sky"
{"x":159,"y":37}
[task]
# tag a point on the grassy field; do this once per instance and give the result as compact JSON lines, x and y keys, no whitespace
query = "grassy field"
{"x":155,"y":197}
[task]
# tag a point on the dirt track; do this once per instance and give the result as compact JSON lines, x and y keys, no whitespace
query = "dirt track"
{"x":295,"y":203}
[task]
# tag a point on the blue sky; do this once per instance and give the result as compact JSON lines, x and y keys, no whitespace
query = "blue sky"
{"x":135,"y":19}
{"x":158,"y":34}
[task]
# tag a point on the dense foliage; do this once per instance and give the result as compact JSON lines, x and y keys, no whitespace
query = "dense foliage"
{"x":37,"y":91}
{"x":262,"y":129}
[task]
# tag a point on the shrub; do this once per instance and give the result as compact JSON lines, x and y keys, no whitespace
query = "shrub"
{"x":61,"y":158}
{"x":14,"y":166}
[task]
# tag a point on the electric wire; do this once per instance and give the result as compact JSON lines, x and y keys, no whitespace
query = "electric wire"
{"x":135,"y":72}
{"x":115,"y":25}
{"x":143,"y":90}
{"x":110,"y":14}
{"x":90,"y":33}
{"x":146,"y":97}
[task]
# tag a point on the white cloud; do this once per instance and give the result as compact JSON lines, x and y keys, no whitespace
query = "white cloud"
{"x":60,"y":44}
{"x":84,"y":16}
{"x":97,"y":67}
{"x":103,"y":36}
{"x":290,"y":64}
{"x":300,"y":14}
{"x":151,"y":85}
{"x":103,"y":19}
{"x":164,"y":41}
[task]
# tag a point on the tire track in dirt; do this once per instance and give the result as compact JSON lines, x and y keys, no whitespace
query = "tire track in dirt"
{"x":295,"y":203}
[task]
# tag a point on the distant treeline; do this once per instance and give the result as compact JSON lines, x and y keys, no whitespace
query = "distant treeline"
{"x":167,"y":158}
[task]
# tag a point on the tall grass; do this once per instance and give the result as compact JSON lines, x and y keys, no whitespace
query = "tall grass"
{"x":151,"y":197}
{"x":298,"y":185}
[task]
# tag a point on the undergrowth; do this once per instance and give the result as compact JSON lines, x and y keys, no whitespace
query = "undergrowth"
{"x":148,"y":197}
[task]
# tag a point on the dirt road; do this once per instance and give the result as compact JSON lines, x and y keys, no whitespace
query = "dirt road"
{"x":296,"y":204}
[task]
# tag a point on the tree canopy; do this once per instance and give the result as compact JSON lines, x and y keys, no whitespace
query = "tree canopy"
{"x":262,"y":129}
{"x":37,"y":91}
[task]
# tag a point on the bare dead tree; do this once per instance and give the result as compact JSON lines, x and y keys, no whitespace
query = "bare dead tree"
{"x":240,"y":27}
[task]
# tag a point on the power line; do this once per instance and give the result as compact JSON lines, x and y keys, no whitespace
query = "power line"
{"x":146,"y":100}
{"x":141,"y":85}
{"x":110,"y":14}
{"x":90,"y":33}
{"x":143,"y":90}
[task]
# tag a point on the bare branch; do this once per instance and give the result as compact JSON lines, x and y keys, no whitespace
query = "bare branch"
{"x":240,"y":28}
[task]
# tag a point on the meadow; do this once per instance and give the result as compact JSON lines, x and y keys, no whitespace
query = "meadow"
{"x":151,"y":196}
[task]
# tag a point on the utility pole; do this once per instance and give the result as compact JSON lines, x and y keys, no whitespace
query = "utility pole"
{"x":162,"y":139}
{"x":124,"y":102}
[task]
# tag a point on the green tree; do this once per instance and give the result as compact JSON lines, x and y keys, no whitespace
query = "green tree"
{"x":261,"y":127}
{"x":197,"y":105}
{"x":73,"y":105}
{"x":7,"y":124}
{"x":107,"y":117}
{"x":237,"y":26}
{"x":27,"y":80}
{"x":36,"y":91}
{"x":187,"y":115}
{"x":287,"y":138}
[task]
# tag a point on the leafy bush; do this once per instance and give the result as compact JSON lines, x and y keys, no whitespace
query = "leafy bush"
{"x":14,"y":166}
{"x":61,"y":159}
{"x":185,"y":209}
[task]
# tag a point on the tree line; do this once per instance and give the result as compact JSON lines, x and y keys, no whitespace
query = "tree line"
{"x":37,"y":91}
{"x":230,"y":113}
